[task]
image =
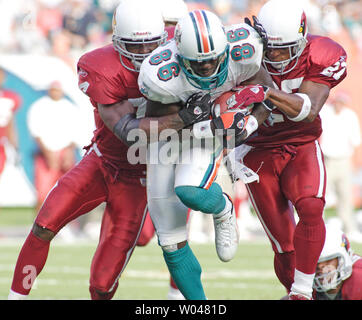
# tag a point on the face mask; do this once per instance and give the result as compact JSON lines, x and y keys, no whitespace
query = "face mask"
{"x":329,"y":277}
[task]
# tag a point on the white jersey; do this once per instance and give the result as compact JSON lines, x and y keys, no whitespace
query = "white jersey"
{"x":162,"y":79}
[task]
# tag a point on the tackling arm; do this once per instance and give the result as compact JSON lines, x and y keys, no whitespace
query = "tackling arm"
{"x":302,"y":106}
{"x":120,"y":117}
{"x":261,"y":111}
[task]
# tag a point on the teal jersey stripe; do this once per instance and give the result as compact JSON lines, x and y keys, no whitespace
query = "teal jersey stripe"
{"x":210,"y":168}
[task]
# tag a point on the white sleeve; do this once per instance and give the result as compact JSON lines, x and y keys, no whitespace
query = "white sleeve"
{"x":251,"y":46}
{"x":356,"y":130}
{"x":34,"y":119}
{"x":153,"y":88}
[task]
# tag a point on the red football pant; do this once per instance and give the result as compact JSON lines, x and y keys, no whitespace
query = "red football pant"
{"x":2,"y":157}
{"x":290,"y":175}
{"x":79,"y":191}
{"x":45,"y":177}
{"x":147,"y":232}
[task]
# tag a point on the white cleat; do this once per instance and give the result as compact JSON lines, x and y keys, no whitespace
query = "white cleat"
{"x":174,"y":294}
{"x":226,"y":234}
{"x":16,"y":296}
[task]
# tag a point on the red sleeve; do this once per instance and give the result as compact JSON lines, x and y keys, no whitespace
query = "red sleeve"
{"x":170,"y":31}
{"x":352,"y":287}
{"x":327,"y":61}
{"x":101,"y":88}
{"x":15,"y":97}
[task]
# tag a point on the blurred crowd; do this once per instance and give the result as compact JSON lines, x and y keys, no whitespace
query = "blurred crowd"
{"x":68,"y":28}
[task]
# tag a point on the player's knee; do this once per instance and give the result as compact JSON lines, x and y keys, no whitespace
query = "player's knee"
{"x":199,"y":199}
{"x":310,"y":210}
{"x":42,"y":233}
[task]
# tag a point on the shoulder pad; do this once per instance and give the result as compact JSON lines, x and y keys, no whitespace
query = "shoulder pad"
{"x":159,"y":75}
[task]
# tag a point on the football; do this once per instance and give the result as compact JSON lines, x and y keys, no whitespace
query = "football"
{"x":226,"y":102}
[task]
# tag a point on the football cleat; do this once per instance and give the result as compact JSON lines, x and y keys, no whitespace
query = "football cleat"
{"x":298,"y":296}
{"x":226,"y":234}
{"x":174,"y":294}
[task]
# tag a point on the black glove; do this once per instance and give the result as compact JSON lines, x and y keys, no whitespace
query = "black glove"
{"x":230,"y":127}
{"x":259,"y":29}
{"x":196,"y":109}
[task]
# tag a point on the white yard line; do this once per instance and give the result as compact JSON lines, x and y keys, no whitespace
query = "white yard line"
{"x":160,"y":275}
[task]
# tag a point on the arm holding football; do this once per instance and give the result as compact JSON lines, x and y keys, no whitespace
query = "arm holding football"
{"x":239,"y":100}
{"x":197,"y":108}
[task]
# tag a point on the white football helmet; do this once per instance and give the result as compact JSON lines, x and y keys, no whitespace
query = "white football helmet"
{"x":173,"y":10}
{"x":286,"y":26}
{"x":336,"y":245}
{"x":137,"y":22}
{"x":200,"y":36}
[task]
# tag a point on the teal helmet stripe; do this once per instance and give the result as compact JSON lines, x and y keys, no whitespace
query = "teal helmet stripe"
{"x":199,"y":49}
{"x":212,"y":47}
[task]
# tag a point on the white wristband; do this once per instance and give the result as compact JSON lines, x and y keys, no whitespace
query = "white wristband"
{"x":304,"y":112}
{"x":202,"y":130}
{"x":251,"y":125}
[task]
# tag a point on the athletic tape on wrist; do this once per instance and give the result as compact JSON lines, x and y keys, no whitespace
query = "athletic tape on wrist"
{"x":202,"y":130}
{"x":304,"y":112}
{"x":124,"y":126}
{"x":268,"y":105}
{"x":251,"y":125}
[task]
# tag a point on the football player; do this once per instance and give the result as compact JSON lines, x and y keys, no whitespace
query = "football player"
{"x":10,"y":102}
{"x":205,"y":60}
{"x":339,"y":269}
{"x":172,"y":11}
{"x":286,"y":153}
{"x":108,"y":75}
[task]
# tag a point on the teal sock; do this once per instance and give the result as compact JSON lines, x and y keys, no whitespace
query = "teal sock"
{"x":186,"y":272}
{"x":199,"y":199}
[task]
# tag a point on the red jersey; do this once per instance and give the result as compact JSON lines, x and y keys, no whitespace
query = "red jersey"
{"x":9,"y":103}
{"x":322,"y":61}
{"x":170,"y":32}
{"x":104,"y":79}
{"x":352,"y":287}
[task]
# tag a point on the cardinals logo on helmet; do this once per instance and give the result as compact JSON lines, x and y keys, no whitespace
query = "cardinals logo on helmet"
{"x":303,"y":24}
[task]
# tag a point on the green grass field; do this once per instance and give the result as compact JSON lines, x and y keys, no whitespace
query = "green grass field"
{"x":249,"y":276}
{"x":66,"y":273}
